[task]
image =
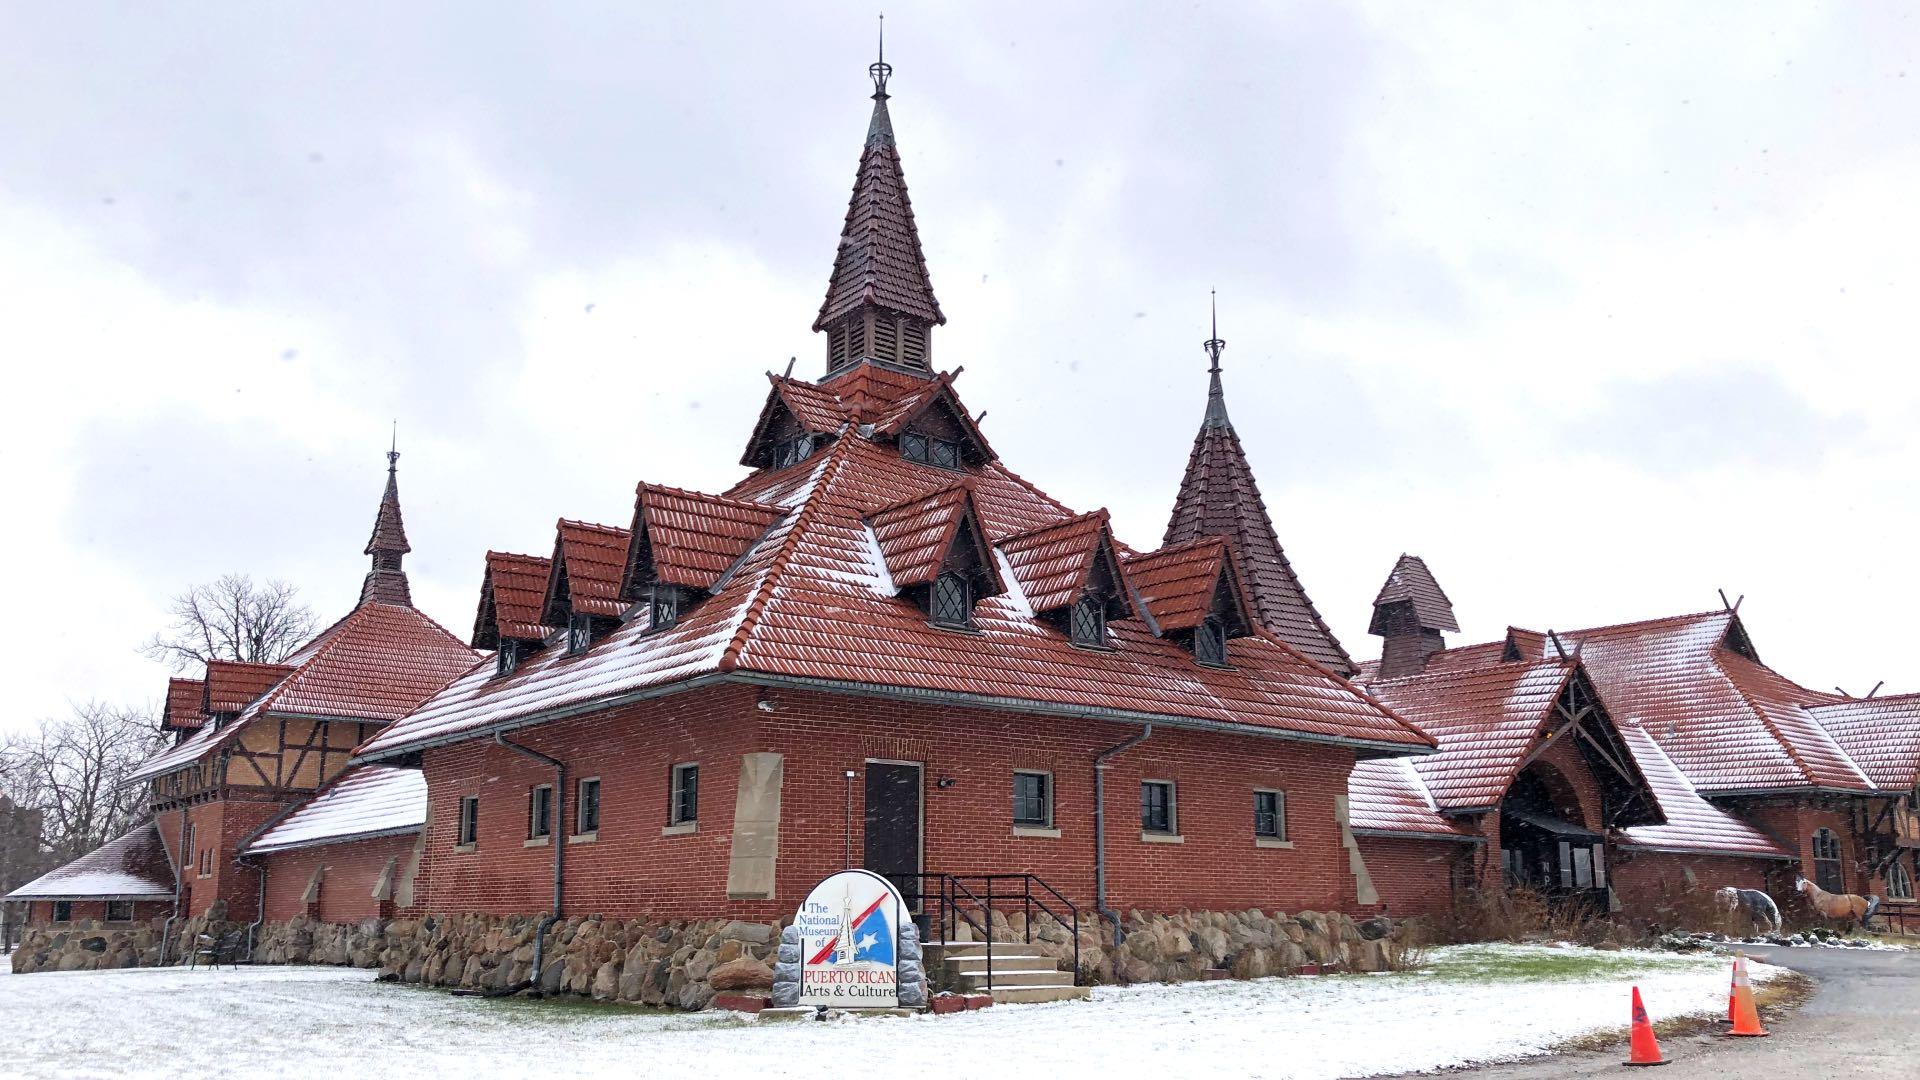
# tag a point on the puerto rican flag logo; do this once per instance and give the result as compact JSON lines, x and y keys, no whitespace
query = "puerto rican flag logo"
{"x":865,"y":937}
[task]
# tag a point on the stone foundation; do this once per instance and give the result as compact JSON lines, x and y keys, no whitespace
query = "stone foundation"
{"x":1189,"y":944}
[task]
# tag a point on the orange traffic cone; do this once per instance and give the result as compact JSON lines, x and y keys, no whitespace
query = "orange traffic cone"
{"x":1644,"y":1049}
{"x":1746,"y":1018}
{"x":1733,"y":988}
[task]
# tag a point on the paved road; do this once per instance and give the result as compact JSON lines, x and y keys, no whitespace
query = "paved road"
{"x":1864,"y":1021}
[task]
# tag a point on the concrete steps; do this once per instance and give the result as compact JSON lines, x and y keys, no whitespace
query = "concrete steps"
{"x":1016,"y":973}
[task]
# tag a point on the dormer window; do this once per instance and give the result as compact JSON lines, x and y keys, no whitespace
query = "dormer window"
{"x":927,"y":450}
{"x":1087,"y":625}
{"x":951,"y":601}
{"x":1210,"y":641}
{"x":579,"y":634}
{"x":506,"y":659}
{"x":793,"y":451}
{"x":663,"y":607}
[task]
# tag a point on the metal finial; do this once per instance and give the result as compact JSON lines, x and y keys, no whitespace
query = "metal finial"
{"x":393,"y":448}
{"x":880,"y":71}
{"x":1214,"y":345}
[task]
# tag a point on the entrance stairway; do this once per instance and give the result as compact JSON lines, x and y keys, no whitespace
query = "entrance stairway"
{"x":1016,"y":974}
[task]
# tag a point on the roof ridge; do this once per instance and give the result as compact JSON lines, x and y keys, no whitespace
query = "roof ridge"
{"x":1634,"y":623}
{"x":689,"y":493}
{"x":590,"y":525}
{"x":1786,"y":744}
{"x":830,"y":465}
{"x":1350,"y":685}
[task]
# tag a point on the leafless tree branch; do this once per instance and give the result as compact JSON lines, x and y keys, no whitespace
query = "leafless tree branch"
{"x":233,"y":618}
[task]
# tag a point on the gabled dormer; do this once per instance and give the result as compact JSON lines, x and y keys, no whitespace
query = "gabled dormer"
{"x":1071,"y":576}
{"x":186,"y":707}
{"x":936,"y":554}
{"x":930,"y":426}
{"x":511,"y":595}
{"x":1195,"y":594}
{"x":232,"y":685}
{"x":797,"y":422}
{"x":583,"y":585}
{"x":684,"y":545}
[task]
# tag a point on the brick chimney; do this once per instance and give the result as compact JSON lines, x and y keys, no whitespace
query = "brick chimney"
{"x":1409,"y":614}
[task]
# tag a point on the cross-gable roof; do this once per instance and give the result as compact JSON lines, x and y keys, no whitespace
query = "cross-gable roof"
{"x":364,"y":802}
{"x":689,"y":538}
{"x":1055,"y":563}
{"x":1881,"y":735}
{"x":1179,"y":582}
{"x":186,"y":705}
{"x":511,"y":593}
{"x":588,"y":563}
{"x":232,"y":685}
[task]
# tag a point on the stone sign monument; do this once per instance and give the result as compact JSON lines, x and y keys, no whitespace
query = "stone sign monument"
{"x":852,"y":945}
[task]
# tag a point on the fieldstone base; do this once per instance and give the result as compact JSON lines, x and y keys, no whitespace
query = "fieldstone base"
{"x":1188,"y":945}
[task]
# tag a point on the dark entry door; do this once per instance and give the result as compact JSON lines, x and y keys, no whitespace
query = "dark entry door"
{"x":893,"y":824}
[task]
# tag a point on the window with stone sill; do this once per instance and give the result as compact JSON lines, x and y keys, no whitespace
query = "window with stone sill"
{"x":684,"y":805}
{"x":586,"y":809}
{"x":1033,"y":800}
{"x":469,"y":820}
{"x":1156,"y":807}
{"x":1270,"y":815}
{"x":540,"y":812}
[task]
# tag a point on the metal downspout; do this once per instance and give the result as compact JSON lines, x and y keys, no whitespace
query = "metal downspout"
{"x":166,"y":930}
{"x":1100,"y":831}
{"x":260,"y":913}
{"x":559,"y":839}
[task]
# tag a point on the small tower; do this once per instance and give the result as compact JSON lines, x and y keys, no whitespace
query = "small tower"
{"x":879,"y":307}
{"x":1410,"y":613}
{"x":1218,"y":497}
{"x":386,"y":582}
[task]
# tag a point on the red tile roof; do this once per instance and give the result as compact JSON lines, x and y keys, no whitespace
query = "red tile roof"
{"x":1177,"y":582}
{"x":1053,"y":563}
{"x":588,"y":563}
{"x":915,"y":535}
{"x":1219,"y":497}
{"x":1387,"y":796}
{"x":1693,"y":825}
{"x":1411,"y":581}
{"x":693,"y":539}
{"x":364,"y":802}
{"x":133,"y":866}
{"x":186,"y":705}
{"x":879,"y":260}
{"x":232,"y":685}
{"x":1880,"y":734}
{"x":809,"y":603}
{"x":511,"y":594}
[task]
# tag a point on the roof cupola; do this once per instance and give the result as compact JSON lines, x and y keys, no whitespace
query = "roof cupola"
{"x":1410,"y":613}
{"x":386,"y":581}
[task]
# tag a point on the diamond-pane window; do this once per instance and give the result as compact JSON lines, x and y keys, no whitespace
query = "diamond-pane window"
{"x":579,"y":633}
{"x":913,"y":446}
{"x":1089,"y":621}
{"x":664,"y":609}
{"x":951,"y":603}
{"x":945,"y":454}
{"x":1210,"y":641}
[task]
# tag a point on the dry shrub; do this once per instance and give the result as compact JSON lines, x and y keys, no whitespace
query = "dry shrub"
{"x":1408,"y":947}
{"x":1525,"y":915}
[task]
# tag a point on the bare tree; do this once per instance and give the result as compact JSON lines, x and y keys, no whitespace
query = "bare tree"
{"x":232,"y":619}
{"x":74,"y":770}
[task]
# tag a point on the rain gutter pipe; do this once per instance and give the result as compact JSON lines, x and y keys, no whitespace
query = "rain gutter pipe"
{"x":260,"y":913}
{"x":166,"y":930}
{"x":1100,"y":830}
{"x":557,"y":835}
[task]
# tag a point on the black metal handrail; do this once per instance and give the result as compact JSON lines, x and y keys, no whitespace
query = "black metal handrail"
{"x":951,"y":891}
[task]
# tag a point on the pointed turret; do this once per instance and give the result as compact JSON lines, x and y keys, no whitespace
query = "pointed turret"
{"x":387,"y":582}
{"x":879,"y":306}
{"x":1218,"y":497}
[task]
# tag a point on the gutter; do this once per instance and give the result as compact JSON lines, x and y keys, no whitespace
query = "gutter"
{"x":260,"y":912}
{"x":1395,"y":834}
{"x":544,"y":716}
{"x":558,"y":836}
{"x":405,"y":830}
{"x":166,"y":930}
{"x":1100,"y":830}
{"x":1658,"y":849}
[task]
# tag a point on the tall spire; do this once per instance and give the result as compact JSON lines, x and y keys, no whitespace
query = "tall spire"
{"x":386,"y":582}
{"x":1218,"y":497}
{"x":879,"y":305}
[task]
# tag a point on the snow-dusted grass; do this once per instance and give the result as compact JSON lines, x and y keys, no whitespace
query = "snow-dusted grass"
{"x":1476,"y":1003}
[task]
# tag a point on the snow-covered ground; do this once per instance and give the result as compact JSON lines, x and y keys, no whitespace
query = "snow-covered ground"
{"x":1479,"y":1003}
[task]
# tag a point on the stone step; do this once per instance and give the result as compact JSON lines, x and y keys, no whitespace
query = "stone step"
{"x":947,"y":950}
{"x":1003,"y":978}
{"x":1000,"y":960}
{"x":1033,"y":995}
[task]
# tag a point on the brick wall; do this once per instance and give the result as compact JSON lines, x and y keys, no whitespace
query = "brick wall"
{"x":346,"y":890}
{"x":630,"y":867}
{"x":1794,"y":821}
{"x":1415,"y":877}
{"x":40,"y":912}
{"x":1672,"y":889}
{"x":219,"y":827}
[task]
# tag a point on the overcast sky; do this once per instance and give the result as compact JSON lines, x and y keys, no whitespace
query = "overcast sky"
{"x":1599,"y":309}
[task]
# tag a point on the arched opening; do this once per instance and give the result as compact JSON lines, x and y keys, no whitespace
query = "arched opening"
{"x":1899,"y":881}
{"x":1545,"y":841}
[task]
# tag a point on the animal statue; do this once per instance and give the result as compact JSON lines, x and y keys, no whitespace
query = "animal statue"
{"x":1841,"y":907}
{"x":1757,"y":905}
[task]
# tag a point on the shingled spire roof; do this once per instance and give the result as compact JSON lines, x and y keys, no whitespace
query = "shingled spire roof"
{"x":386,"y":583}
{"x":1218,"y":497}
{"x":879,"y":303}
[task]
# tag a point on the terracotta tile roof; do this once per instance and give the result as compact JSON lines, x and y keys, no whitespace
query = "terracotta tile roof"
{"x":376,"y":664}
{"x":1728,"y":722}
{"x":793,"y":407}
{"x":1880,"y":734}
{"x":1218,"y":497}
{"x":1177,"y":582}
{"x":879,"y":261}
{"x":691,"y":539}
{"x":1386,"y":795}
{"x":186,"y":705}
{"x":1411,"y":581}
{"x":1053,"y":563}
{"x":588,"y":562}
{"x":813,"y":602}
{"x":1486,"y":719}
{"x":511,"y":593}
{"x":133,"y":866}
{"x":914,"y":536}
{"x":363,"y":802}
{"x":232,"y":685}
{"x":1693,"y":824}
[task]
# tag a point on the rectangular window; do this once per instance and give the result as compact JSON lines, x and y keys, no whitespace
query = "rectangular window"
{"x":469,"y":820}
{"x":579,"y":634}
{"x":119,"y":911}
{"x":540,"y":812}
{"x":506,"y":659}
{"x":1156,"y":807}
{"x":686,"y":795}
{"x":63,"y":911}
{"x":1033,"y":799}
{"x":664,"y":608}
{"x":586,"y":807}
{"x":1583,"y":868}
{"x":206,"y":862}
{"x":1270,"y":815}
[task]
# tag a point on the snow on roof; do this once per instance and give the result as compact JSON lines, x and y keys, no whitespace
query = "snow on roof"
{"x":1881,"y":734}
{"x":368,"y":801}
{"x":133,"y":866}
{"x":1693,"y":824}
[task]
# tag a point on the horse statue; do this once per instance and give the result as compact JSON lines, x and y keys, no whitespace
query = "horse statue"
{"x":1757,"y":906}
{"x":1841,"y":907}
